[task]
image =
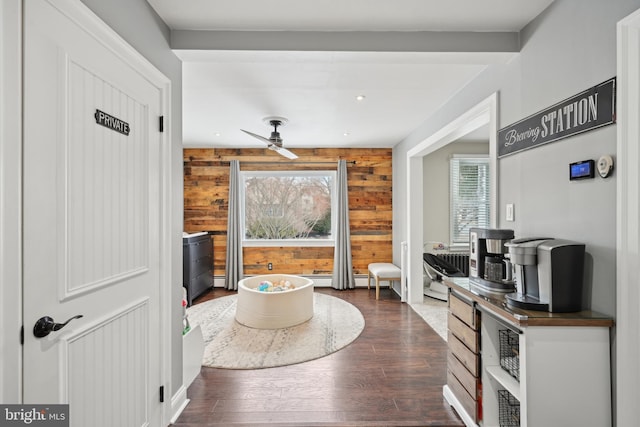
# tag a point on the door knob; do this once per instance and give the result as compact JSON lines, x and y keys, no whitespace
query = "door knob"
{"x":46,"y":324}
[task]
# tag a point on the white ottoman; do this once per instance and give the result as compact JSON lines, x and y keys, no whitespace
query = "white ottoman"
{"x":382,"y":271}
{"x":274,"y":310}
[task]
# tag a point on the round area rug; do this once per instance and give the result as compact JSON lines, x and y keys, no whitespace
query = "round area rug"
{"x":228,"y":344}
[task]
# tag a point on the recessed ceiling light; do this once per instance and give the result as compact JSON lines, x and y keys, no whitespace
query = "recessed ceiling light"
{"x":360,"y":98}
{"x":217,"y":134}
{"x":346,"y":134}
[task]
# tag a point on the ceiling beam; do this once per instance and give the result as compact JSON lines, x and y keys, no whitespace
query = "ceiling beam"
{"x":348,"y":41}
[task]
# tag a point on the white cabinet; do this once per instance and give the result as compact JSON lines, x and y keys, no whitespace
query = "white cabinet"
{"x":557,"y":373}
{"x":192,"y":352}
{"x":564,"y":376}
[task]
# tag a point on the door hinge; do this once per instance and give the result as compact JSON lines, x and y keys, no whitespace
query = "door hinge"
{"x":161,"y":393}
{"x":22,"y":335}
{"x":161,"y":123}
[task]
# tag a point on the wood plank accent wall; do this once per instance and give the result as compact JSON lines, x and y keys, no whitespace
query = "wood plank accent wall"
{"x":206,"y":190}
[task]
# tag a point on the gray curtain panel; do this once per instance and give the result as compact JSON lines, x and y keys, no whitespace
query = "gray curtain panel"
{"x":233,"y":272}
{"x":342,"y":264}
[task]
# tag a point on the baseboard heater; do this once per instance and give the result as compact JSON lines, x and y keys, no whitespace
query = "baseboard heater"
{"x":458,"y":260}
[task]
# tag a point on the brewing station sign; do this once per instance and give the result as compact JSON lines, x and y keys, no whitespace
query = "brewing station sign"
{"x":588,"y":110}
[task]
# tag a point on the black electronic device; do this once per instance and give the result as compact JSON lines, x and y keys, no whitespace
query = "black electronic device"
{"x":582,"y":170}
{"x":548,"y":274}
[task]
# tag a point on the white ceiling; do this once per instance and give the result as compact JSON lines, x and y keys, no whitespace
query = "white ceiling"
{"x":349,"y":15}
{"x":308,"y":60}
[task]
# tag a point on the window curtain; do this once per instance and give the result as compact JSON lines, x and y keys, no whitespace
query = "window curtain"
{"x":233,"y":272}
{"x":342,"y":264}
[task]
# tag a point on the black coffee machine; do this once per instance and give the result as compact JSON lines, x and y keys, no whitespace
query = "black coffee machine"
{"x":489,"y":269}
{"x":548,"y":274}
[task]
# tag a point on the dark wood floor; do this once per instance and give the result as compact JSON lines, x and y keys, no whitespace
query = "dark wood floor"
{"x":391,"y":375}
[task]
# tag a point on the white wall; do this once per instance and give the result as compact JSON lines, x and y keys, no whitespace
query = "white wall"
{"x":561,"y":56}
{"x":137,"y":23}
{"x":568,"y":48}
{"x":436,"y":199}
{"x":10,"y":202}
{"x":141,"y":27}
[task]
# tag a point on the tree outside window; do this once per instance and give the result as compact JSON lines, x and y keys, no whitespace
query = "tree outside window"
{"x":285,"y":206}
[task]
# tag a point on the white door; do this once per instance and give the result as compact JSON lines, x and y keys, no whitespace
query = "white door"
{"x":92,"y":218}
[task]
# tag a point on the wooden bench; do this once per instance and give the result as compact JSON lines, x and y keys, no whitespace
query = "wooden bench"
{"x":383,"y":271}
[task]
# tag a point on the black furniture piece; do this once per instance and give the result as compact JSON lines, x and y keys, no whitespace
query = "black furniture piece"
{"x":197,"y":254}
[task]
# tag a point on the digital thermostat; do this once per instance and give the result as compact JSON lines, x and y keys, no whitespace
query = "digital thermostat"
{"x":582,"y":170}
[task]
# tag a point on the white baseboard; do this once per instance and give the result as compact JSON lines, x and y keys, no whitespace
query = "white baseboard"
{"x":325,"y":282}
{"x":179,"y":401}
{"x":319,"y":281}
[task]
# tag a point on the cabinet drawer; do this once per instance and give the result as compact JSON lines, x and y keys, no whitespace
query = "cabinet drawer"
{"x":464,"y":333}
{"x":198,"y":285}
{"x":469,"y":359}
{"x":468,"y":381}
{"x":198,"y":249}
{"x":469,"y":404}
{"x":464,"y":311}
{"x":196,"y":267}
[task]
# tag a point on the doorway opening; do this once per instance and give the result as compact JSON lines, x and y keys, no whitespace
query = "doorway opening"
{"x":483,"y":117}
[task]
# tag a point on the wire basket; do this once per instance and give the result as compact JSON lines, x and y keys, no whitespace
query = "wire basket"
{"x":510,"y":352}
{"x":509,"y":409}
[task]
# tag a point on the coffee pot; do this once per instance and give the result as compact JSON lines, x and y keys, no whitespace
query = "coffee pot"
{"x":490,"y":270}
{"x":497,"y":269}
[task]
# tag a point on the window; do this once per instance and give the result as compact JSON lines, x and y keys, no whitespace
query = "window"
{"x":293,"y":208}
{"x":469,"y":190}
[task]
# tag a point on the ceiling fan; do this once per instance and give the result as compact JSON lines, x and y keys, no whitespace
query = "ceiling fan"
{"x":274,"y":142}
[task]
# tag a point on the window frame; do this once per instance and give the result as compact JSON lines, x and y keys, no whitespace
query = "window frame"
{"x":301,"y":242}
{"x":459,"y":158}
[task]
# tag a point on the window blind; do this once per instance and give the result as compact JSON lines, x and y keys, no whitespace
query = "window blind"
{"x":469,"y":193}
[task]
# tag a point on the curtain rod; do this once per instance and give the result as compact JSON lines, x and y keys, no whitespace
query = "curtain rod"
{"x":352,"y":162}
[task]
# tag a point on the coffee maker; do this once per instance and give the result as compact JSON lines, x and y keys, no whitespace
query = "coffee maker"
{"x":489,"y":268}
{"x":548,"y":274}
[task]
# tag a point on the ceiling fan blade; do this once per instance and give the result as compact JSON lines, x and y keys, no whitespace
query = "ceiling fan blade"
{"x":261,"y":138}
{"x":284,"y":152}
{"x":272,"y":145}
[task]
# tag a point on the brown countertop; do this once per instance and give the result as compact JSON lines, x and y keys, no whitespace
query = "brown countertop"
{"x":523,"y":318}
